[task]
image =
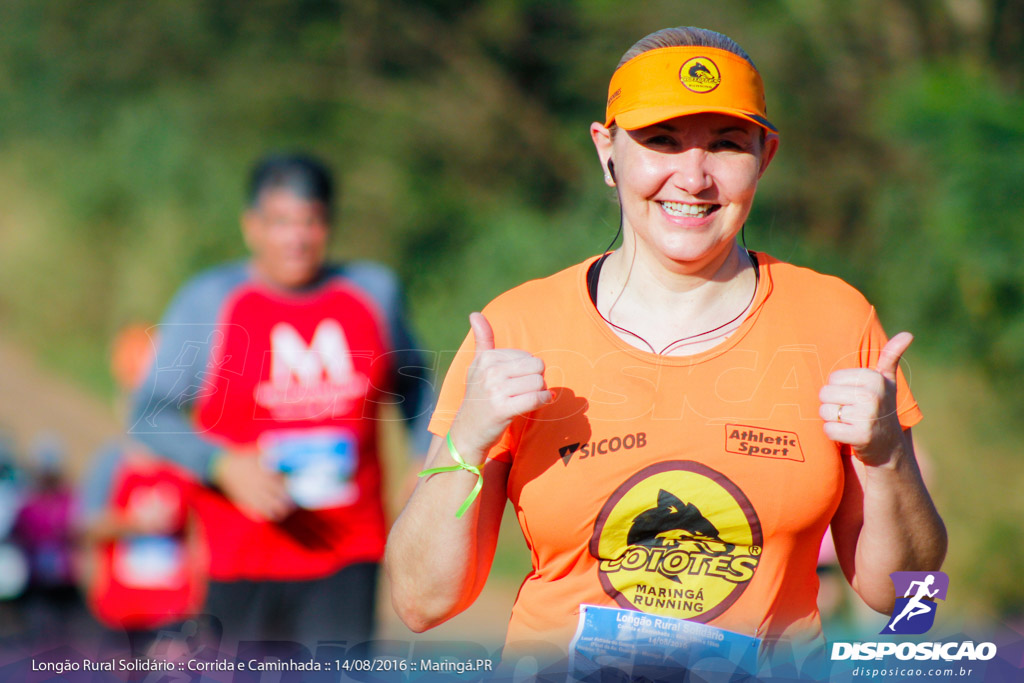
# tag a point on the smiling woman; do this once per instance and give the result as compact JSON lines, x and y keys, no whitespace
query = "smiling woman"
{"x":714,"y":362}
{"x":686,"y":186}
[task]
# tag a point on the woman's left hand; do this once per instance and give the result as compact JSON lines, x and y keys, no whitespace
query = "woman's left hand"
{"x":859,"y":406}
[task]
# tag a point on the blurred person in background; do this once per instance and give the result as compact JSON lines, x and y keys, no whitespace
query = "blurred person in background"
{"x":43,"y":529}
{"x":13,"y":565}
{"x":144,"y":565}
{"x":11,"y":484}
{"x":676,"y":422}
{"x":146,"y":560}
{"x":267,"y":385}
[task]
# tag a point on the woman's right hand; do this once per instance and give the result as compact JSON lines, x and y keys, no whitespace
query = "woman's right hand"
{"x":500,"y":385}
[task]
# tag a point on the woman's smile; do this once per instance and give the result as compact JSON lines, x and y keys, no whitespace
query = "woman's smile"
{"x":687,"y":210}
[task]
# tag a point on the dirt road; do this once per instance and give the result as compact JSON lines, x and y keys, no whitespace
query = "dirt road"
{"x":34,"y":400}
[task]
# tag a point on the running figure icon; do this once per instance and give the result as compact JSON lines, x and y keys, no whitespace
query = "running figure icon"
{"x":917,"y":595}
{"x":915,"y":606}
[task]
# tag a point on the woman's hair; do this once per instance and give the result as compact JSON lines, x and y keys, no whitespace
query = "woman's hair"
{"x":684,"y":36}
{"x":301,"y":174}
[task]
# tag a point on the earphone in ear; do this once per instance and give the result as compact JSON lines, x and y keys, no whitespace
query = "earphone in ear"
{"x":611,"y":169}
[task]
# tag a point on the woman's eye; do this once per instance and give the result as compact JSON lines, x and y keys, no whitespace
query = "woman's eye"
{"x":659,"y":141}
{"x":731,"y":145}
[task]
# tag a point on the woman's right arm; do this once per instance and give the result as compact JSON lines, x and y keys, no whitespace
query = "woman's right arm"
{"x":437,"y":563}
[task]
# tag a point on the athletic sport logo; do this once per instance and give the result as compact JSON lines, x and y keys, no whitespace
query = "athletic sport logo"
{"x":700,"y":75}
{"x":679,"y":539}
{"x":916,"y":593}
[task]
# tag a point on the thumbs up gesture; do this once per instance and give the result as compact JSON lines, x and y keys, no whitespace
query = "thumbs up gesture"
{"x":859,"y":405}
{"x":500,"y":385}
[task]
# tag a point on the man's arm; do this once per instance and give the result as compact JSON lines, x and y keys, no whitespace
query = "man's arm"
{"x":161,"y":415}
{"x":180,"y":376}
{"x":94,"y":492}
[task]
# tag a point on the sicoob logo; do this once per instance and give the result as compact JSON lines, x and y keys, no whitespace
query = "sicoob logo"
{"x":677,"y":538}
{"x":700,"y":74}
{"x":915,"y":608}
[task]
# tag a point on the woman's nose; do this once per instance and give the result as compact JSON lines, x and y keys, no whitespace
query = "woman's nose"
{"x":691,"y":174}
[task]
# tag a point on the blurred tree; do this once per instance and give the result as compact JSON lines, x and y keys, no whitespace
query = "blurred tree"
{"x":445,"y":119}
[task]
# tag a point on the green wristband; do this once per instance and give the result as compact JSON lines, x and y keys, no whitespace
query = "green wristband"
{"x":455,"y":468}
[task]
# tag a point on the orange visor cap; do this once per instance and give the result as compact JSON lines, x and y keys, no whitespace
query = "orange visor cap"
{"x":667,"y":82}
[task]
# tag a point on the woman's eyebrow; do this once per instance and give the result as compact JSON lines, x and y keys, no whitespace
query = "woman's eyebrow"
{"x":731,"y":129}
{"x":665,"y":126}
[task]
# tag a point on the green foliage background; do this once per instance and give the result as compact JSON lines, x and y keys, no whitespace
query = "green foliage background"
{"x":459,"y":130}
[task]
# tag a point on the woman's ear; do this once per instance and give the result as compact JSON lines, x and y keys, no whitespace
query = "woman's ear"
{"x":602,"y":138}
{"x":768,"y":150}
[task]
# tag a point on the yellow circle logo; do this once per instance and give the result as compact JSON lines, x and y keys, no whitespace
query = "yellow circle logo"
{"x":700,"y":74}
{"x":679,"y":539}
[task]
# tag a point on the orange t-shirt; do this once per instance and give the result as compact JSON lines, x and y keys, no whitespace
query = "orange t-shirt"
{"x":697,"y":487}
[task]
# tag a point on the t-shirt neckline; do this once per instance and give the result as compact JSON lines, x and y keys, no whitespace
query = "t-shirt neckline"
{"x":764,"y":286}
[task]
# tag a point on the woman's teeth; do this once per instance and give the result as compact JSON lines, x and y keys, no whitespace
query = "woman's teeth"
{"x":687,"y":210}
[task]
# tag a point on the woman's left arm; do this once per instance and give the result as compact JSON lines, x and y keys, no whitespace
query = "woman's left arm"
{"x":886,"y":520}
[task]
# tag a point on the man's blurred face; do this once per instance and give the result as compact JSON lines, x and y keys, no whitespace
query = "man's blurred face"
{"x":287,"y":236}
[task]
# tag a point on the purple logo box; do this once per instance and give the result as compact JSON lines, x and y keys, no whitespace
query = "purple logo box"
{"x":916,"y":593}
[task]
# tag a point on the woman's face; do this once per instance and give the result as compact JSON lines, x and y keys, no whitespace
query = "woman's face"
{"x":687,"y":184}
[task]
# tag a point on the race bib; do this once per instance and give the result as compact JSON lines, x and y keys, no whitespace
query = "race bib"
{"x":150,"y":562}
{"x":654,"y":647}
{"x":318,"y":465}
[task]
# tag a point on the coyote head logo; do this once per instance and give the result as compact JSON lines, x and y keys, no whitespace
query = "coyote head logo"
{"x":699,"y":72}
{"x":674,"y":522}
